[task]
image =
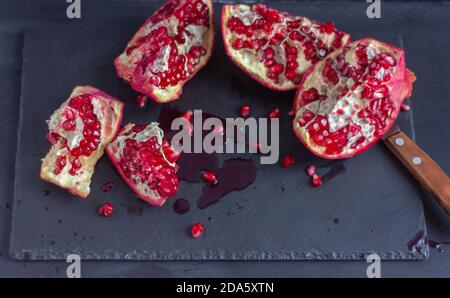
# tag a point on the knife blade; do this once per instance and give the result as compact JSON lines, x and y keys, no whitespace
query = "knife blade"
{"x":420,"y":165}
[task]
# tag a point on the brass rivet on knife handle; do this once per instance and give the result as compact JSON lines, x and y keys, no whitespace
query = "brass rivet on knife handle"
{"x":426,"y":171}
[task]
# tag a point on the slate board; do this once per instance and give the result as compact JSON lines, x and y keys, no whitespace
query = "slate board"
{"x":279,"y":217}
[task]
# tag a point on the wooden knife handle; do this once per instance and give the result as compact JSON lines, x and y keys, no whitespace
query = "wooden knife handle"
{"x":426,"y":171}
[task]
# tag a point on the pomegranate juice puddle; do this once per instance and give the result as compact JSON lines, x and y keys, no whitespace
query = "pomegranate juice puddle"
{"x":236,"y":174}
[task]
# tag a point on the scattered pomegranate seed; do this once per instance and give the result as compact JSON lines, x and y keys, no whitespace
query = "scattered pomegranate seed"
{"x":209,"y":177}
{"x":106,"y":210}
{"x":107,"y":186}
{"x":316,"y":180}
{"x":311,"y":170}
{"x":291,"y":113}
{"x":405,"y":107}
{"x":197,"y":230}
{"x":275,"y":113}
{"x":141,"y":100}
{"x":244,"y":111}
{"x":188,"y":115}
{"x":288,"y":160}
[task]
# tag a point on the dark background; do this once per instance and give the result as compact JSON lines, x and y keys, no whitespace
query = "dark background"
{"x":431,"y":125}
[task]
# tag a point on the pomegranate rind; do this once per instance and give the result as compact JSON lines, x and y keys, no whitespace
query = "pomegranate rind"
{"x":79,"y":184}
{"x":127,"y":70}
{"x":115,"y":153}
{"x":399,"y":86}
{"x":255,"y":68}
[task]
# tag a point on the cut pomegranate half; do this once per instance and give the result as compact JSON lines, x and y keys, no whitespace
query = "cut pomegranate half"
{"x":346,"y":102}
{"x":79,"y":130}
{"x":276,"y":48}
{"x":146,"y":162}
{"x":170,"y":47}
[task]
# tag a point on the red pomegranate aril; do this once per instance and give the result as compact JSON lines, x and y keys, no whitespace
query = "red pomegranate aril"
{"x":53,"y":137}
{"x":197,"y":230}
{"x":171,"y":155}
{"x":405,"y":107}
{"x":106,"y":210}
{"x":59,"y":164}
{"x":244,"y":111}
{"x":188,"y":115}
{"x":288,"y":160}
{"x":311,"y":170}
{"x":209,"y":177}
{"x":316,"y":180}
{"x":141,"y":100}
{"x":275,"y":113}
{"x":69,"y":125}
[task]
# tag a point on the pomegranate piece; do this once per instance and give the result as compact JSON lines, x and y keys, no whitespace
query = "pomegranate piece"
{"x":106,"y":210}
{"x":209,"y":177}
{"x":288,"y":160}
{"x":244,"y":111}
{"x":94,"y":120}
{"x":316,"y":180}
{"x":276,"y":48}
{"x":146,"y":162}
{"x":197,"y":230}
{"x":349,"y":100}
{"x":169,"y":48}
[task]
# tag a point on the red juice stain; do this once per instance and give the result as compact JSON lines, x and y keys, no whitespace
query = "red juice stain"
{"x":107,"y":186}
{"x":181,"y":206}
{"x":235,"y":175}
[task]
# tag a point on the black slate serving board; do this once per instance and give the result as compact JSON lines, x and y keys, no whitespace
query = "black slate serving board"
{"x":375,"y":206}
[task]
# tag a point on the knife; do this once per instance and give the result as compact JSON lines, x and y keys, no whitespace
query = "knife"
{"x":420,"y":165}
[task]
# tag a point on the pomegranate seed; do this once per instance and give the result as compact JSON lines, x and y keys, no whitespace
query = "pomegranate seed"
{"x":291,"y":113}
{"x":405,"y":107}
{"x":187,"y":115}
{"x":107,"y":186}
{"x":288,"y":160}
{"x":209,"y":177}
{"x":275,"y":113}
{"x":52,"y":137}
{"x":141,"y":100}
{"x":197,"y":230}
{"x":316,"y":180}
{"x":106,"y":210}
{"x":244,"y":111}
{"x":311,"y":170}
{"x":69,"y":125}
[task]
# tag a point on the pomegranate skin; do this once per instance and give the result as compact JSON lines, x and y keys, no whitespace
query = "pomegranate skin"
{"x":109,"y":112}
{"x":130,"y":70}
{"x":253,"y":68}
{"x":399,"y":87}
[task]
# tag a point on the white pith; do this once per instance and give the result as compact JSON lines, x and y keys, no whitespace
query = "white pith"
{"x":349,"y":105}
{"x":251,"y":60}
